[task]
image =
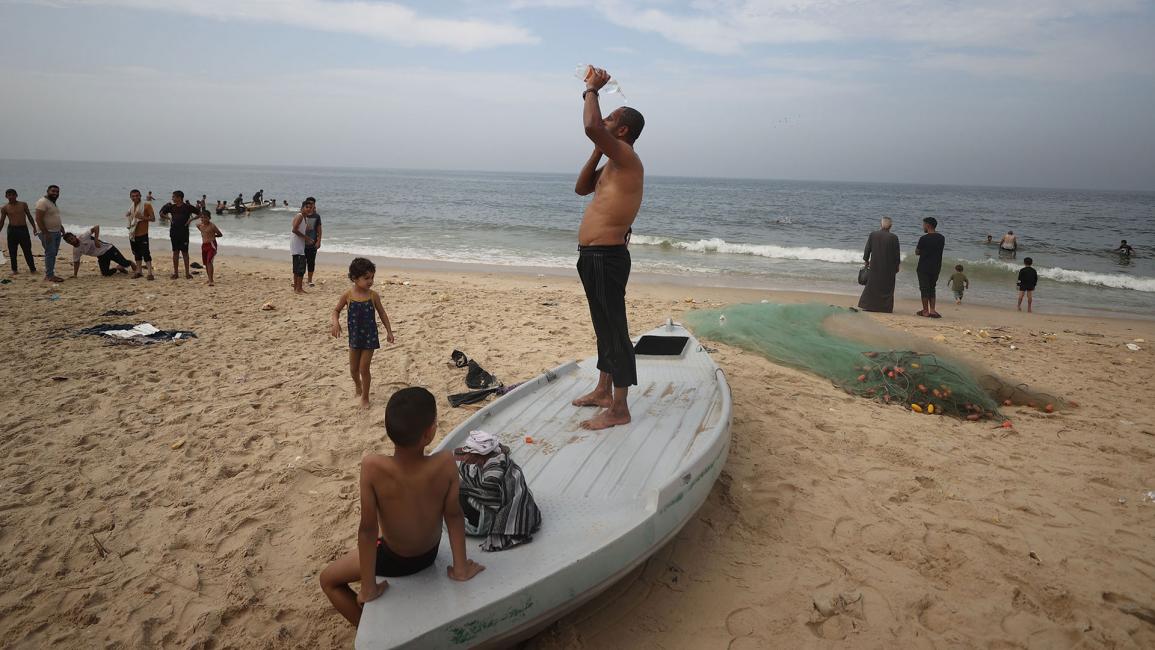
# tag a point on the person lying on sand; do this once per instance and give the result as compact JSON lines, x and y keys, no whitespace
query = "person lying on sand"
{"x":404,"y":499}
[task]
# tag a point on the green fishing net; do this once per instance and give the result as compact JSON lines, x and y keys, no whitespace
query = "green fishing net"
{"x":856,"y":353}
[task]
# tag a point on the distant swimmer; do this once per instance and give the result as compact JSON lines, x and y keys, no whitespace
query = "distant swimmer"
{"x":603,"y":259}
{"x":1009,"y":243}
{"x":990,"y":239}
{"x":1125,"y":249}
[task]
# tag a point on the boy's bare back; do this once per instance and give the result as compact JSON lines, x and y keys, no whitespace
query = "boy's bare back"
{"x":412,"y":497}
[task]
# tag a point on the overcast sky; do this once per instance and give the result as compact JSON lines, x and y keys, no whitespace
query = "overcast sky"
{"x":995,"y":92}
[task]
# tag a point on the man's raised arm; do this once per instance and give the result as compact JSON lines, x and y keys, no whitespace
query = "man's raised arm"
{"x":606,"y":143}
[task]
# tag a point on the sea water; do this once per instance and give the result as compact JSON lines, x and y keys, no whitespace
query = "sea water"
{"x":714,"y":232}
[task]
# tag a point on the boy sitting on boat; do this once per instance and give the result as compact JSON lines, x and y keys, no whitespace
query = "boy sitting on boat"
{"x":404,"y":498}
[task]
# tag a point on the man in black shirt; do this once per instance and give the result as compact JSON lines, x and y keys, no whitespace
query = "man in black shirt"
{"x":182,"y":215}
{"x":929,"y":251}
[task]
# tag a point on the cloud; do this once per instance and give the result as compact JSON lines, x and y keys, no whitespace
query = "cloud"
{"x":985,"y":37}
{"x":385,"y":21}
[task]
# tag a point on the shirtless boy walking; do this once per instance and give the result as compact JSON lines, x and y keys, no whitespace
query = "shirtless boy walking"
{"x":209,"y":234}
{"x":404,"y":499}
{"x":603,"y":259}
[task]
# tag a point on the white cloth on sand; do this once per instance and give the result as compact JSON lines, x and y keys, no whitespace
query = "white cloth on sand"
{"x":144,"y":329}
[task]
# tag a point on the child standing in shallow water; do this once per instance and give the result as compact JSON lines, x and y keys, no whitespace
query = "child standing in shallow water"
{"x":362,"y":302}
{"x":959,"y":283}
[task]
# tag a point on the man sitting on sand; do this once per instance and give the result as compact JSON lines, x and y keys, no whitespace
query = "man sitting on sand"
{"x":404,"y":498}
{"x":603,"y":259}
{"x":106,"y":254}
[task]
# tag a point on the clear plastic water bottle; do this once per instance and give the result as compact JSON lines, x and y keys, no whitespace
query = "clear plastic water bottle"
{"x":583,"y":72}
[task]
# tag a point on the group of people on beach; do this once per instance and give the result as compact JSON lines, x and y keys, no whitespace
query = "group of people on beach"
{"x":47,"y":226}
{"x":404,"y":497}
{"x":883,"y":259}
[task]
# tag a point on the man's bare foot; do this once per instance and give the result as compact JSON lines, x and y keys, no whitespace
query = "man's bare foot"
{"x":57,"y":279}
{"x":137,"y":275}
{"x":595,"y":398}
{"x":605,"y":420}
{"x":188,"y":276}
{"x":210,"y":283}
{"x":151,"y":277}
{"x":174,"y":276}
{"x":299,"y":291}
{"x":365,"y":402}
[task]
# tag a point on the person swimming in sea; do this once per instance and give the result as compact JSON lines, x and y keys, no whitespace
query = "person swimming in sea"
{"x":1009,"y":244}
{"x":1125,"y":249}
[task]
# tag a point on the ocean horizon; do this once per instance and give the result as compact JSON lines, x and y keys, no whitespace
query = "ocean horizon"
{"x":774,"y":234}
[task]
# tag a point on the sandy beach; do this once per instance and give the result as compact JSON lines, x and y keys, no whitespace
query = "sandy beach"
{"x":187,"y":494}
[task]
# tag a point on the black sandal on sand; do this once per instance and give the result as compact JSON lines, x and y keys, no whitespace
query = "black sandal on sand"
{"x":934,"y":315}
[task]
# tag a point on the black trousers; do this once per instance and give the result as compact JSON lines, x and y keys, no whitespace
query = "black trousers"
{"x":18,"y":237}
{"x":110,"y":257}
{"x":140,"y":248}
{"x":604,"y":272}
{"x":310,"y":258}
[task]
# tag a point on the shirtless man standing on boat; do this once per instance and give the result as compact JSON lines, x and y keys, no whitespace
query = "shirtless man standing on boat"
{"x":603,"y":259}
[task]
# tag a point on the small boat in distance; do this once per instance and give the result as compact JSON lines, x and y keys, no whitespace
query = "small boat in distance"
{"x":249,"y":207}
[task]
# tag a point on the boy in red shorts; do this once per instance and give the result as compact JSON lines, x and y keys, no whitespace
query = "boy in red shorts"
{"x":209,"y":234}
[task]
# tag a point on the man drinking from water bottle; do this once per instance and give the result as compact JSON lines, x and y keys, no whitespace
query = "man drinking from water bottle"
{"x":603,"y":259}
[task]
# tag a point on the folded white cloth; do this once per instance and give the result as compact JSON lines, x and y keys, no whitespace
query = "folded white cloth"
{"x":480,"y":442}
{"x":144,"y":329}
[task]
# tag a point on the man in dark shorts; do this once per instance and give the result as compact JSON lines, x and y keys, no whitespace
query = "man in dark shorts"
{"x":603,"y":259}
{"x":929,"y":251}
{"x":139,"y":215}
{"x":181,"y":215}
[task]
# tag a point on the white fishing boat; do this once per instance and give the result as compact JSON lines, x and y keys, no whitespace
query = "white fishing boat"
{"x":250,"y":207}
{"x":609,"y":499}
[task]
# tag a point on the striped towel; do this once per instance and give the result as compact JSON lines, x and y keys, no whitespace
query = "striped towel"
{"x":496,"y":499}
